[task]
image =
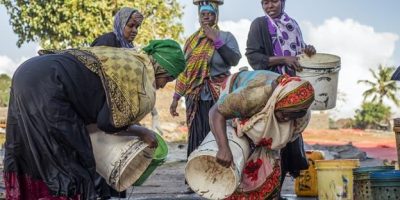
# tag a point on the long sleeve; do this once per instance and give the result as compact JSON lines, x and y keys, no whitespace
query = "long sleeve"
{"x":259,"y":47}
{"x":104,"y":120}
{"x":230,"y":51}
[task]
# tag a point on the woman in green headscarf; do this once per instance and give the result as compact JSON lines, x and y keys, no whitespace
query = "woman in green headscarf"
{"x":48,"y":152}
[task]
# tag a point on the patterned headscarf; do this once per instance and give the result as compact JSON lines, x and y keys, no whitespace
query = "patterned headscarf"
{"x":297,"y":96}
{"x":121,"y":18}
{"x":287,"y":39}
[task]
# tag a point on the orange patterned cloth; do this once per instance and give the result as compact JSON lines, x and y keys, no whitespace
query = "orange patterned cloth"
{"x":302,"y":96}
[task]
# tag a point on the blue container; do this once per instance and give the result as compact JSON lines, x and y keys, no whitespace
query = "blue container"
{"x":385,"y":185}
{"x":362,"y":181}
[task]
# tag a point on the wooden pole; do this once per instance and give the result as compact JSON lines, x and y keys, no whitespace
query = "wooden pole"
{"x":396,"y":129}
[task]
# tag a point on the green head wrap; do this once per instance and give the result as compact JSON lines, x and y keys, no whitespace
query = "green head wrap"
{"x":168,"y":54}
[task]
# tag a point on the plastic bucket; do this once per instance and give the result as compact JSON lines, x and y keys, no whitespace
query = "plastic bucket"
{"x":362,"y":182}
{"x":219,"y":2}
{"x":208,"y":178}
{"x":335,"y":178}
{"x":160,"y":154}
{"x":306,"y":184}
{"x":385,"y":185}
{"x":322,"y":71}
{"x":120,"y":160}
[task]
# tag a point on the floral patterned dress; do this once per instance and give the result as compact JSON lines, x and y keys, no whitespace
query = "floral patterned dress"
{"x":248,"y":98}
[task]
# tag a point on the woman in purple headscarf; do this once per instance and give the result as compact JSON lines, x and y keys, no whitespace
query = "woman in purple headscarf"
{"x":273,"y":42}
{"x":126,"y":24}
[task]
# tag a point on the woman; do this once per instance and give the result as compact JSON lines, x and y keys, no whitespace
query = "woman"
{"x":273,"y":43}
{"x":126,"y":25}
{"x":209,"y":54}
{"x":270,"y":110}
{"x":275,"y":40}
{"x":48,"y":153}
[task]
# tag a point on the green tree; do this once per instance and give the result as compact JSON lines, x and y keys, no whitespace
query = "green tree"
{"x":382,"y":87}
{"x":5,"y":83}
{"x":371,"y":114}
{"x":72,"y":23}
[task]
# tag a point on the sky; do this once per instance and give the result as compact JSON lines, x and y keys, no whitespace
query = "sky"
{"x":364,"y":33}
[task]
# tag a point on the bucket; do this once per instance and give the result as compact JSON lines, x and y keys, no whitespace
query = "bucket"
{"x":335,"y":179}
{"x":362,"y":182}
{"x":306,"y":184}
{"x":160,"y":154}
{"x":219,"y":2}
{"x":120,"y":160}
{"x":208,"y":178}
{"x":322,"y":71}
{"x":385,"y":185}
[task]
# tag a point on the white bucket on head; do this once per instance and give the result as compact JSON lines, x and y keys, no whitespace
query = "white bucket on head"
{"x":219,"y":2}
{"x":208,"y":178}
{"x":322,"y":71}
{"x":120,"y":160}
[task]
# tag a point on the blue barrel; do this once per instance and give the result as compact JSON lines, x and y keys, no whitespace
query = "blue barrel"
{"x":385,"y":185}
{"x":362,"y":182}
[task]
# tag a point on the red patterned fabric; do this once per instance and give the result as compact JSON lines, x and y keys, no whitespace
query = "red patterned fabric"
{"x":24,"y":187}
{"x":301,"y":96}
{"x":269,"y":189}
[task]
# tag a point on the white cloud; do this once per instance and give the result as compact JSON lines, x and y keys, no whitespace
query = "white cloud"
{"x":240,"y":30}
{"x":8,"y":66}
{"x":360,"y":48}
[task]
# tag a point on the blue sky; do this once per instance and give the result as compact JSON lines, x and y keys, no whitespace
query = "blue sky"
{"x":364,"y":33}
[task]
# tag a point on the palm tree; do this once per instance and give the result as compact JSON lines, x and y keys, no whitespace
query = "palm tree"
{"x":382,"y":87}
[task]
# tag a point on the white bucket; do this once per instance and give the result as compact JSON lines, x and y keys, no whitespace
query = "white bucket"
{"x":219,"y":2}
{"x":120,"y":160}
{"x":208,"y":178}
{"x":322,"y":70}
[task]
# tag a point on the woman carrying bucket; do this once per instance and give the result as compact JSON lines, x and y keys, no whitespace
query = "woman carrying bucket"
{"x":270,"y":110}
{"x":273,"y":43}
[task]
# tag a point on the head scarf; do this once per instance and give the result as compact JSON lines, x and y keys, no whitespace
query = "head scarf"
{"x":286,"y":37}
{"x":299,"y":96}
{"x":210,"y":7}
{"x":121,"y":18}
{"x":168,"y":54}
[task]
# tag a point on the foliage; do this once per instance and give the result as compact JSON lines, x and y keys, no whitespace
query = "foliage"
{"x":371,"y":115}
{"x":382,"y":86}
{"x":5,"y":84}
{"x":72,"y":23}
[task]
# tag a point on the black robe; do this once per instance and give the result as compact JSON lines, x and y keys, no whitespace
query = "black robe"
{"x":52,"y":99}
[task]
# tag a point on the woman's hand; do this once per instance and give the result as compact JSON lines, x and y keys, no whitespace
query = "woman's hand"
{"x":149,"y":137}
{"x":211,"y":33}
{"x":225,"y":157}
{"x":309,"y":50}
{"x":172,"y":108}
{"x":292,"y":61}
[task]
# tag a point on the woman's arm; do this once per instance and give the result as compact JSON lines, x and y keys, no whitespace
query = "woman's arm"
{"x":229,"y":51}
{"x":218,"y":128}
